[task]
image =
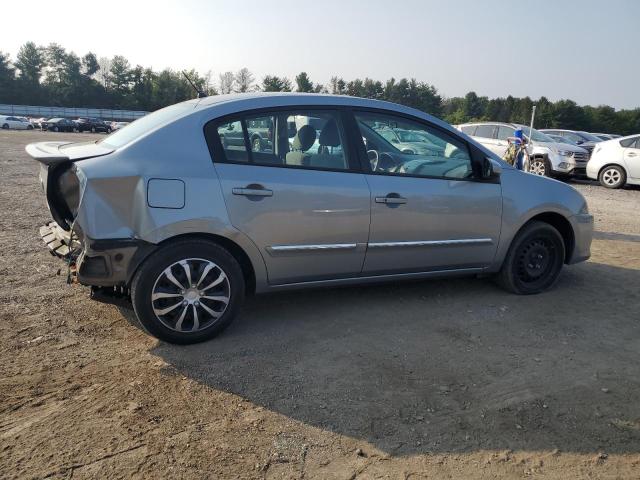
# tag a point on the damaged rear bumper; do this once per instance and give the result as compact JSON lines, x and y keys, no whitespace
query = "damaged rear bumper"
{"x":97,"y":262}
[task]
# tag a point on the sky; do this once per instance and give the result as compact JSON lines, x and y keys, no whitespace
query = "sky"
{"x":585,"y":50}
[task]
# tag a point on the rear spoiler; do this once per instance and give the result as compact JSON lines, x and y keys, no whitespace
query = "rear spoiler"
{"x":50,"y":153}
{"x":47,"y":152}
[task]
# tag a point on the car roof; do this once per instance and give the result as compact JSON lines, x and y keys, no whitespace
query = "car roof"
{"x":248,"y":101}
{"x":490,"y":123}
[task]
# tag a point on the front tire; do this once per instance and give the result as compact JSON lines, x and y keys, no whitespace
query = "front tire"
{"x":188,"y":291}
{"x":612,"y":176}
{"x":534,"y":260}
{"x":5,"y":126}
{"x":540,"y":166}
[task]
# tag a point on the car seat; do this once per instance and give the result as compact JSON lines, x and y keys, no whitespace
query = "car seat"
{"x":302,"y":142}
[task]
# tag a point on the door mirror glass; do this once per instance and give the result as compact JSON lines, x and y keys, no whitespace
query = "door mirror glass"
{"x":490,"y":168}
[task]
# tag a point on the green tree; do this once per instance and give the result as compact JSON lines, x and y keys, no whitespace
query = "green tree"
{"x":30,"y":61}
{"x":244,"y":80}
{"x":7,"y":79}
{"x":273,"y":83}
{"x":303,"y":84}
{"x":90,"y":64}
{"x":120,"y":79}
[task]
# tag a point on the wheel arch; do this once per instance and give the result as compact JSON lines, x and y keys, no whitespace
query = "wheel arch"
{"x":248,"y":270}
{"x":560,"y":223}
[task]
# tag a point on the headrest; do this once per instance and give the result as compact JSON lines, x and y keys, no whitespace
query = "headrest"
{"x":329,"y":135}
{"x":305,"y":137}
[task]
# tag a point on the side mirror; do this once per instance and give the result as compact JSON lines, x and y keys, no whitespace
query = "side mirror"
{"x":490,"y":168}
{"x":393,"y":140}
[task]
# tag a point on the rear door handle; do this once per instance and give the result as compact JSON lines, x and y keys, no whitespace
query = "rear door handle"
{"x":391,"y":199}
{"x":252,"y":191}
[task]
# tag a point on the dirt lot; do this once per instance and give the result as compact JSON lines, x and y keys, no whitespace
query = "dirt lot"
{"x":439,"y":379}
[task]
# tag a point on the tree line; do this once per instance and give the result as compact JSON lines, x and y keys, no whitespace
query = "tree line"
{"x":52,"y":76}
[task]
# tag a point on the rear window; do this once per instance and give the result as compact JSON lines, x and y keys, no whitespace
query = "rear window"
{"x":629,"y":142}
{"x":143,"y":125}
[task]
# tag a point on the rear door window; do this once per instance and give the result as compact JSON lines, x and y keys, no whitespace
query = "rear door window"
{"x":297,"y":138}
{"x":485,"y":131}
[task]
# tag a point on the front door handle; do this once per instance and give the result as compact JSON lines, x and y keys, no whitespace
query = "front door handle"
{"x":252,"y":191}
{"x":631,"y":154}
{"x":391,"y":199}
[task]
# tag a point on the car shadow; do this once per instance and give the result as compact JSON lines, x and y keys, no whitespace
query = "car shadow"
{"x":442,"y":366}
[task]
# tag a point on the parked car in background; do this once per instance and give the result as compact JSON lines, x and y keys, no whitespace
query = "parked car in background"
{"x":259,"y":131}
{"x":37,"y":122}
{"x":606,"y":136}
{"x":616,"y":163}
{"x":60,"y":125}
{"x":205,"y":221}
{"x":118,"y":125}
{"x":582,"y":139}
{"x":92,"y":125}
{"x":408,"y":141}
{"x":547,"y":157}
{"x":9,"y":122}
{"x":561,"y":139}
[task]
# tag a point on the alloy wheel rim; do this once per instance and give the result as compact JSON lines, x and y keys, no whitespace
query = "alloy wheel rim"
{"x":190,"y":295}
{"x":611,"y":176}
{"x":538,"y":168}
{"x":256,"y":145}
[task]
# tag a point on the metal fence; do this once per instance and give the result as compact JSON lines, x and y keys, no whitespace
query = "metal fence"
{"x":50,"y":112}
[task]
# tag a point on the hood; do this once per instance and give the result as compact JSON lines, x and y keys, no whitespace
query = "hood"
{"x":559,"y":146}
{"x":53,"y":153}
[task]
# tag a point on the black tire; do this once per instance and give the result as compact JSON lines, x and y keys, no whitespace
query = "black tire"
{"x":537,"y":246}
{"x":612,"y":176}
{"x":108,"y":130}
{"x":5,"y":126}
{"x":150,"y":273}
{"x":29,"y":127}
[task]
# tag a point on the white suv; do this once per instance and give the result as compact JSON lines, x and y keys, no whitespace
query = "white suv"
{"x":547,"y":157}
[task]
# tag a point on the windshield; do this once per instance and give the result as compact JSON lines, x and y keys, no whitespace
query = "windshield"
{"x":145,"y":124}
{"x":536,"y":136}
{"x":589,"y":137}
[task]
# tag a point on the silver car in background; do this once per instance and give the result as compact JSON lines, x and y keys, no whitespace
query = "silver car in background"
{"x":186,"y":224}
{"x":547,"y":156}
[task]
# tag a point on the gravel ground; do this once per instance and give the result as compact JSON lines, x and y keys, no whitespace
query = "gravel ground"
{"x":437,"y":379}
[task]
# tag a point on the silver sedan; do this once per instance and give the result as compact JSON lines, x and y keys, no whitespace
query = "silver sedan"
{"x":169,"y":213}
